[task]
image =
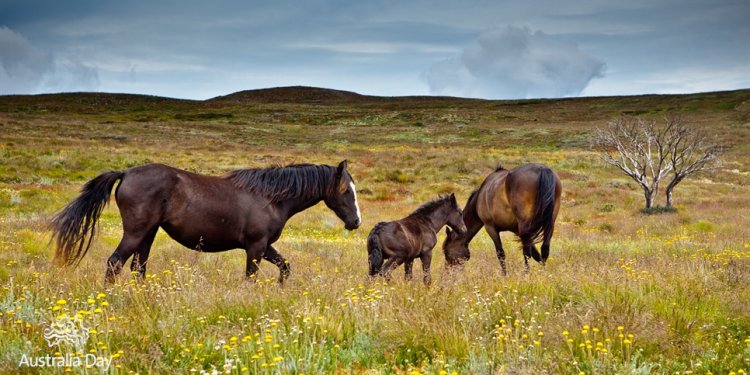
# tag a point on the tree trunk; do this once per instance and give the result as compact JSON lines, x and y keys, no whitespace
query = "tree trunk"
{"x":670,"y":188}
{"x":669,"y":196}
{"x":649,"y":194}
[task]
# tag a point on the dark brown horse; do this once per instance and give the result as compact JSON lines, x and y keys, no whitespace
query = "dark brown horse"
{"x":412,"y":237}
{"x":245,"y":209}
{"x":524,"y":201}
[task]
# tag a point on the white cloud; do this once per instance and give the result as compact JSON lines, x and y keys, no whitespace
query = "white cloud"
{"x":515,"y":63}
{"x":24,"y":69}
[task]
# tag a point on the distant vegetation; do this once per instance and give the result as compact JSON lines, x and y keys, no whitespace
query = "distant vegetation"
{"x":657,"y":155}
{"x":621,"y":292}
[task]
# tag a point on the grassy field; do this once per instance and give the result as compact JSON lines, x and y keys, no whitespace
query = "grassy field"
{"x":622,"y":292}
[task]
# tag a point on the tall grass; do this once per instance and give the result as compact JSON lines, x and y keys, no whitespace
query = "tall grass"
{"x":622,"y":292}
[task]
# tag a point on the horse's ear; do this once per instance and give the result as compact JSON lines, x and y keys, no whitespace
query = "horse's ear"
{"x":341,"y":168}
{"x":453,"y":199}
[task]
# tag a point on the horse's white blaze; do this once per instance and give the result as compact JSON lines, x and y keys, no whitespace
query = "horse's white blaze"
{"x":356,"y":204}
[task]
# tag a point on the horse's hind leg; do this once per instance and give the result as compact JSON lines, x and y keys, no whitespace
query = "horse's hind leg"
{"x":545,"y":250}
{"x":140,"y":222}
{"x":124,"y":250}
{"x":407,"y":269}
{"x":138,"y":264}
{"x":274,"y":257}
{"x":526,"y":256}
{"x":495,"y":236}
{"x":535,"y":253}
{"x":254,"y":252}
{"x":530,"y":251}
{"x":545,"y":244}
{"x":131,"y":242}
{"x":527,"y":239}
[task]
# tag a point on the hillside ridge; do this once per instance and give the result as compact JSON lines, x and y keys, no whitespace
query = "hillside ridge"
{"x":314,"y":96}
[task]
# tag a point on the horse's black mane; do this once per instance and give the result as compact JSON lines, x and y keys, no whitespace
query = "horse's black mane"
{"x":430,"y":206}
{"x":279,"y":183}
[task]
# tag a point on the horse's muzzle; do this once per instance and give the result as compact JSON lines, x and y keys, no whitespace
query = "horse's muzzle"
{"x":353,"y":226}
{"x":456,"y":264}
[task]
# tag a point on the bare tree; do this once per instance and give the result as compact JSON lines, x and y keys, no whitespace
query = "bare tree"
{"x":647,"y":152}
{"x":690,"y":151}
{"x":640,"y":151}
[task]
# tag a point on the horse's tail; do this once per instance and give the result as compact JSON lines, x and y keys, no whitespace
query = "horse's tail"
{"x":544,"y":221}
{"x":74,"y":227}
{"x":374,"y":250}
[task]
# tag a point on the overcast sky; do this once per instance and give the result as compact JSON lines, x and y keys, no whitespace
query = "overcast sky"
{"x":489,"y":49}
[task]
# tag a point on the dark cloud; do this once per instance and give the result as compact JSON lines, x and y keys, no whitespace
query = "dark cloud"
{"x":513,"y":63}
{"x":71,"y":75}
{"x":25,"y":69}
{"x":22,"y":67}
{"x":197,"y":49}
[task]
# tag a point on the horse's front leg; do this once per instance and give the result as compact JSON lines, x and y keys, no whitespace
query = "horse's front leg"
{"x":407,"y":269}
{"x":426,"y":259}
{"x":495,"y":236}
{"x":274,"y":257}
{"x":255,"y":253}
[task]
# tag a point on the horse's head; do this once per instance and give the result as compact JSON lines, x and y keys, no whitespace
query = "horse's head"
{"x":456,"y":247}
{"x":456,"y":216}
{"x":343,"y":198}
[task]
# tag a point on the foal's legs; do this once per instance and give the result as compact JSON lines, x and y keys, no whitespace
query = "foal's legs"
{"x":426,"y":258}
{"x":495,"y":236}
{"x":274,"y":257}
{"x":389,"y":266}
{"x":407,"y":268}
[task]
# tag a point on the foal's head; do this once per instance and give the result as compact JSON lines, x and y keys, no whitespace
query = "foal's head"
{"x":342,"y":198}
{"x":456,"y":245}
{"x":455,"y":217}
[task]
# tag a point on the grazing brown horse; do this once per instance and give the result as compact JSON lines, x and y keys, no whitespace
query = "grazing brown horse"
{"x":524,"y":201}
{"x":412,"y":237}
{"x":245,"y":209}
